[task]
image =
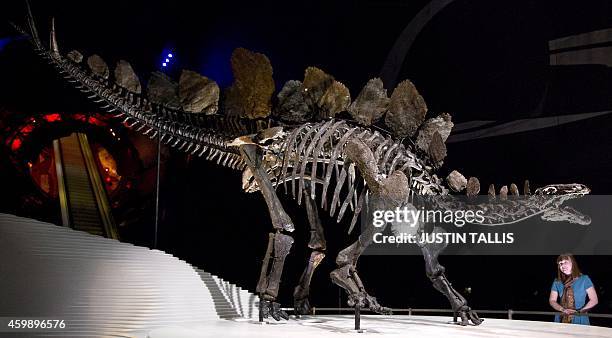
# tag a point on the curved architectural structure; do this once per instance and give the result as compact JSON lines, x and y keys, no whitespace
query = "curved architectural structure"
{"x":101,"y":287}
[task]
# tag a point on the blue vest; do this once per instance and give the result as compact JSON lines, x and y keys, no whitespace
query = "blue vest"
{"x":581,"y":284}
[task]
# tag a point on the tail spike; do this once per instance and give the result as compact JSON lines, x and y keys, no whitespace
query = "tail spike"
{"x":32,"y":26}
{"x":53,"y":40}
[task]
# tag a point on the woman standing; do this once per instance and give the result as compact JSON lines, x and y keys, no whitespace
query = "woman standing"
{"x":573,"y":288}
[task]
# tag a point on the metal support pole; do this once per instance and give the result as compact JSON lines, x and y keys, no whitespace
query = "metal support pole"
{"x":357,"y":317}
{"x":261,"y":317}
{"x":157,"y":189}
{"x":339,"y":300}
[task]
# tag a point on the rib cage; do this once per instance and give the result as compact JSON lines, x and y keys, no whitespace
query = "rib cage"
{"x":315,"y":151}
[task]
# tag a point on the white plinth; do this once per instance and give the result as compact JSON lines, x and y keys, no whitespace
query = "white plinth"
{"x":383,"y":326}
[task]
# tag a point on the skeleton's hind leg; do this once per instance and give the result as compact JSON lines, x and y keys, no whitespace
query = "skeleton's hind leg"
{"x":386,"y":193}
{"x":317,"y":244}
{"x":346,"y":275}
{"x":279,"y":243}
{"x":435,"y":272}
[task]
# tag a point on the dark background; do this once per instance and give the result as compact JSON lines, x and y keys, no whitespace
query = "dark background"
{"x":478,"y":60}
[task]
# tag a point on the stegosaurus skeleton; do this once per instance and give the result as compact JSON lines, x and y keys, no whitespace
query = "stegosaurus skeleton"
{"x":372,"y":171}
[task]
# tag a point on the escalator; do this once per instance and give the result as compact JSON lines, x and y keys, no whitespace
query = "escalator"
{"x":83,"y":199}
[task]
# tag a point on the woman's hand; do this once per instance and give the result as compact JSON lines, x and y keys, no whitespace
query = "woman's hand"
{"x":569,"y":311}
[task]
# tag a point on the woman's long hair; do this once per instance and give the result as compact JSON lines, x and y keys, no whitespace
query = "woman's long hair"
{"x":575,"y":269}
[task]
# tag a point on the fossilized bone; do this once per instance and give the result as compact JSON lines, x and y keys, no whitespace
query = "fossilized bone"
{"x":371,"y":168}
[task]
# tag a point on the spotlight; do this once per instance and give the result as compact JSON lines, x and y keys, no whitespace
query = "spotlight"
{"x":170,"y":55}
{"x":164,"y":64}
{"x":167,"y":60}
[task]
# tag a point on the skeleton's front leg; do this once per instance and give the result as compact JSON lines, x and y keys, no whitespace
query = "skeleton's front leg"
{"x":317,"y":244}
{"x":279,"y":243}
{"x":435,"y":272}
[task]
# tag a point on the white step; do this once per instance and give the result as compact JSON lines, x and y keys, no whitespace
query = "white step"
{"x":103,"y":287}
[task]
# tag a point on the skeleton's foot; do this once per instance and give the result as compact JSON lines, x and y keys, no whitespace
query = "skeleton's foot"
{"x":366,"y":301}
{"x":302,"y":307}
{"x":467,"y":315}
{"x":270,"y":308}
{"x":457,"y":301}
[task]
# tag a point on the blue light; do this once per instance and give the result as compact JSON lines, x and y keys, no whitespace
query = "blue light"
{"x":164,"y":64}
{"x":170,"y":55}
{"x":5,"y":41}
{"x":167,"y":60}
